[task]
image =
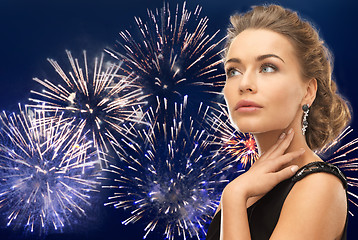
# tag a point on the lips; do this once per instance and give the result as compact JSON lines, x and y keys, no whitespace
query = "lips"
{"x":247,"y":104}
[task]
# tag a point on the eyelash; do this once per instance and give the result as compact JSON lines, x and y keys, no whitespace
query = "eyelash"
{"x":229,"y":70}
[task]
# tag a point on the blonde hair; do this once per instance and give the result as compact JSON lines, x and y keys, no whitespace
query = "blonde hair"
{"x":329,"y":113}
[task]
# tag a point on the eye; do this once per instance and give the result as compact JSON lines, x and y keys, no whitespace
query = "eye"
{"x":268,"y":68}
{"x":231,"y":72}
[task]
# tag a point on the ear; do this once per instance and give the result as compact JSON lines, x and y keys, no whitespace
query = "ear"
{"x":311,"y":90}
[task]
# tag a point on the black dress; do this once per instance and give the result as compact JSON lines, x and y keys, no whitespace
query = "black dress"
{"x":263,"y":215}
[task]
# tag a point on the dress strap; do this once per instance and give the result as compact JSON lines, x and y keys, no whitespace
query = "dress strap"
{"x":315,"y":167}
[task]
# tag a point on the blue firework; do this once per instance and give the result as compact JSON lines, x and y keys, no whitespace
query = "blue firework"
{"x":48,"y":172}
{"x":171,"y":177}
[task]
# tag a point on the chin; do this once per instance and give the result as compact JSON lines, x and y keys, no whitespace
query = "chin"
{"x":245,"y":128}
{"x":253,"y":127}
{"x":248,"y":124}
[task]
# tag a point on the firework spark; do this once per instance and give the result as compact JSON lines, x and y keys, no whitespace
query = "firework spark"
{"x":100,"y":101}
{"x":171,"y":176}
{"x":173,"y":55}
{"x":48,"y":172}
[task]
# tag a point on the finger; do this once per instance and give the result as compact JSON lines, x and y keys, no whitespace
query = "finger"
{"x":283,"y":160}
{"x":285,"y":173}
{"x":275,"y":146}
{"x":282,"y":147}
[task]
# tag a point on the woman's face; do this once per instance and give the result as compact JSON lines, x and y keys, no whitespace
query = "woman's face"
{"x":264,"y":86}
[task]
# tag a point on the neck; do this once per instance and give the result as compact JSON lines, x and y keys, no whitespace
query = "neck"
{"x":266,"y":140}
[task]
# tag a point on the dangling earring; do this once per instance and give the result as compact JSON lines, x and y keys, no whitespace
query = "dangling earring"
{"x":305,"y":109}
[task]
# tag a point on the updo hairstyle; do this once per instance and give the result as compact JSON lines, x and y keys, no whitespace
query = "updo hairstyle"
{"x":329,"y":113}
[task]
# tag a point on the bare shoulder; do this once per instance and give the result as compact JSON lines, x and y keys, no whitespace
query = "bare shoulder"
{"x":316,"y":208}
{"x":320,"y":183}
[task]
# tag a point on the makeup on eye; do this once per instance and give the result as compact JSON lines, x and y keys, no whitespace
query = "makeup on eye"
{"x":268,"y":68}
{"x":232,"y":71}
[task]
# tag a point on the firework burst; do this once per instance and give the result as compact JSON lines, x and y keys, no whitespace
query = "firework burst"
{"x":99,"y":101}
{"x":240,"y":145}
{"x":48,"y":172}
{"x":173,"y":55}
{"x":171,"y":177}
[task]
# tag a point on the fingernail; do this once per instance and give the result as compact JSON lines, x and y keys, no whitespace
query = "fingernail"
{"x":282,"y":135}
{"x":294,"y":168}
{"x":302,"y":150}
{"x":290,"y":131}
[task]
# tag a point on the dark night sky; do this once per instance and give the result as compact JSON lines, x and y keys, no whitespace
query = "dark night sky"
{"x":33,"y":30}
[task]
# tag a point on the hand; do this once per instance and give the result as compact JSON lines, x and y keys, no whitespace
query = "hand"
{"x":267,"y":171}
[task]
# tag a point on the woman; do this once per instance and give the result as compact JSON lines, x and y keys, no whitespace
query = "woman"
{"x":279,"y":88}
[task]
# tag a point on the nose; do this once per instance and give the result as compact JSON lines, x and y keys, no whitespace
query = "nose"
{"x":248,"y":83}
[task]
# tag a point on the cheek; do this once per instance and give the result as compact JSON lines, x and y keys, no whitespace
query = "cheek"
{"x":229,"y":94}
{"x":285,"y":91}
{"x":286,"y":102}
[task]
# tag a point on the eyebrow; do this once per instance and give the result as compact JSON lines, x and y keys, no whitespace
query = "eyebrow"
{"x":259,"y":58}
{"x":262,"y":57}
